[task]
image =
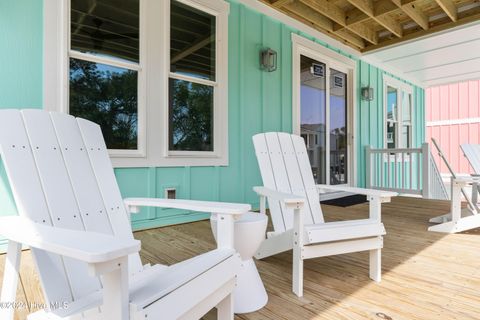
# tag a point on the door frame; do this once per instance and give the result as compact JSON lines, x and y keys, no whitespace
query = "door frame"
{"x":337,"y":61}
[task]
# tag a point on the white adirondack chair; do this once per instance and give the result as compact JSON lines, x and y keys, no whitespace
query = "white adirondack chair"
{"x":472,"y":153}
{"x":297,"y":218}
{"x":459,"y":219}
{"x":73,"y":218}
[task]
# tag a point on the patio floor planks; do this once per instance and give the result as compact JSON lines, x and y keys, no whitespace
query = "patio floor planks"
{"x":426,"y":275}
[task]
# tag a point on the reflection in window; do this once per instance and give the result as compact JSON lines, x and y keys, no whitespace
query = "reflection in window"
{"x":107,"y":96}
{"x":313,"y":119}
{"x":392,"y":116}
{"x":106,"y":93}
{"x":192,"y":78}
{"x":192,"y":42}
{"x":338,"y":127}
{"x":106,"y":28}
{"x":190,"y":116}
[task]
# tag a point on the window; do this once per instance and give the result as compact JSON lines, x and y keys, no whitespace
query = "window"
{"x":398,"y":113}
{"x":153,"y":74}
{"x":192,"y":79}
{"x":104,"y":66}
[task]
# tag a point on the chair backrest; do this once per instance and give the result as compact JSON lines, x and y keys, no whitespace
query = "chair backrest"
{"x":60,"y":174}
{"x":285,"y":167}
{"x":472,"y":153}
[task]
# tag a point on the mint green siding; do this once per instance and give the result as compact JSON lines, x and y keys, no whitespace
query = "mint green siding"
{"x":258,"y":101}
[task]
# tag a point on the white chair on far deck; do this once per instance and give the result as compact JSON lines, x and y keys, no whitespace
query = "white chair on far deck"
{"x":297,"y":218}
{"x":73,"y":218}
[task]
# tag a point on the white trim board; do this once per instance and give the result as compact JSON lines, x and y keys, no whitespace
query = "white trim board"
{"x":452,"y":122}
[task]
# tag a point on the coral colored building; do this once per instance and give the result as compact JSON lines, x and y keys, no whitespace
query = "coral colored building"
{"x":453,"y":118}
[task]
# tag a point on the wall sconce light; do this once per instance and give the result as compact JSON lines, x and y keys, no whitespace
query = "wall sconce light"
{"x":367,"y":93}
{"x":268,"y":60}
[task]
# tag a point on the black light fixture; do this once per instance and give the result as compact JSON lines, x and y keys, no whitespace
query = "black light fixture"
{"x":268,"y":60}
{"x":367,"y":93}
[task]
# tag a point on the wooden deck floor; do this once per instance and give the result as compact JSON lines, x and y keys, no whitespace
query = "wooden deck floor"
{"x":425,"y":275}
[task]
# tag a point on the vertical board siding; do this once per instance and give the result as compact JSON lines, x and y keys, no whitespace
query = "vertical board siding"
{"x":456,"y":102}
{"x":258,"y":102}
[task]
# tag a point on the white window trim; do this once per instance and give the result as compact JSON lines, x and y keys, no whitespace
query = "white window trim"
{"x":303,"y":46}
{"x":153,"y":73}
{"x":401,"y":87}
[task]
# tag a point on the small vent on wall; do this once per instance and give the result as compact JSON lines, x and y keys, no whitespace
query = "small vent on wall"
{"x":170,"y":193}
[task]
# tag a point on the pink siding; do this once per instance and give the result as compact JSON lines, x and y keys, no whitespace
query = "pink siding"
{"x":459,"y":101}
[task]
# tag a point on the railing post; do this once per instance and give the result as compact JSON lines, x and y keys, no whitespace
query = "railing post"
{"x":426,"y":170}
{"x":368,"y":167}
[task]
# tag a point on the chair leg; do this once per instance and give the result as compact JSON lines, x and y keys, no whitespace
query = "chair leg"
{"x":376,"y":264}
{"x":225,"y":308}
{"x":10,"y":279}
{"x":297,"y":272}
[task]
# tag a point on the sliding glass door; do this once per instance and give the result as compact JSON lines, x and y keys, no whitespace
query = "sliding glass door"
{"x":324,"y":118}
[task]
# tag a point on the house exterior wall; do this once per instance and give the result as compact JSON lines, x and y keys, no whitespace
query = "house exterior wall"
{"x":258,"y":102}
{"x":453,"y":118}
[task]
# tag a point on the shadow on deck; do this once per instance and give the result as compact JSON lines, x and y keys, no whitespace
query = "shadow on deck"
{"x":426,"y":275}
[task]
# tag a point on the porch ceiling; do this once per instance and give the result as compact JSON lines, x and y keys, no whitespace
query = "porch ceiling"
{"x":367,"y":25}
{"x":448,"y":57}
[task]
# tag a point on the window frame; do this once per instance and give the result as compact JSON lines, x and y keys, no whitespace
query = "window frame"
{"x":154,"y":72}
{"x":401,"y":87}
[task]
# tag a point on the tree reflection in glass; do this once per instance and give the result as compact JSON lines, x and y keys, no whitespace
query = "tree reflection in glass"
{"x":106,"y":95}
{"x":190,"y":116}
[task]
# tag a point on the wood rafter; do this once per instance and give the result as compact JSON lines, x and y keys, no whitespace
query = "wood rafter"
{"x":366,"y":6}
{"x":371,"y":24}
{"x":449,"y":7}
{"x":339,"y":16}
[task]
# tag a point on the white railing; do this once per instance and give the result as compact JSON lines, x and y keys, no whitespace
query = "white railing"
{"x":407,"y":171}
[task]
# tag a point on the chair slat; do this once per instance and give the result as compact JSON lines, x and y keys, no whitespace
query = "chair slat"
{"x":280,"y":173}
{"x":29,"y":197}
{"x":82,"y":177}
{"x":107,"y":183}
{"x":472,"y":153}
{"x":266,"y":171}
{"x":307,"y":177}
{"x":295,"y":178}
{"x":58,"y":192}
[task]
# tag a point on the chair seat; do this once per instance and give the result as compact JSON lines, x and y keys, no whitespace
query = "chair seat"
{"x":343,"y":230}
{"x":155,"y":282}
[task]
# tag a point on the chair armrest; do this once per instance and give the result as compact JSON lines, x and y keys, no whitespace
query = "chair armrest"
{"x":134,"y":204}
{"x":383,"y":195}
{"x":290,"y":200}
{"x":89,"y":247}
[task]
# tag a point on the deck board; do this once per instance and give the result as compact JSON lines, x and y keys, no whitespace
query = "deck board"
{"x":426,"y":275}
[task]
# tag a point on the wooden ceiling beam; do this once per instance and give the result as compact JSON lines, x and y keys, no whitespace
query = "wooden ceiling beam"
{"x":281,"y":3}
{"x":338,"y":15}
{"x":463,"y":18}
{"x":413,"y":12}
{"x":366,"y":6}
{"x":327,"y":9}
{"x":344,"y":36}
{"x":449,"y":7}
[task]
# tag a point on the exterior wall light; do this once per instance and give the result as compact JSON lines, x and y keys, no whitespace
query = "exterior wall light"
{"x":268,"y":60}
{"x":367,"y":93}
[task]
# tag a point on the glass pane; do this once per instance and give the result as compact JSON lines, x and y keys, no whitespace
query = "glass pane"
{"x":406,"y":107}
{"x":313,"y":114}
{"x":392,"y":98}
{"x":107,"y":96}
{"x":406,"y":134}
{"x":106,"y":28}
{"x":190,"y":116}
{"x":391,"y":134}
{"x":192,"y":42}
{"x":338,"y":127}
